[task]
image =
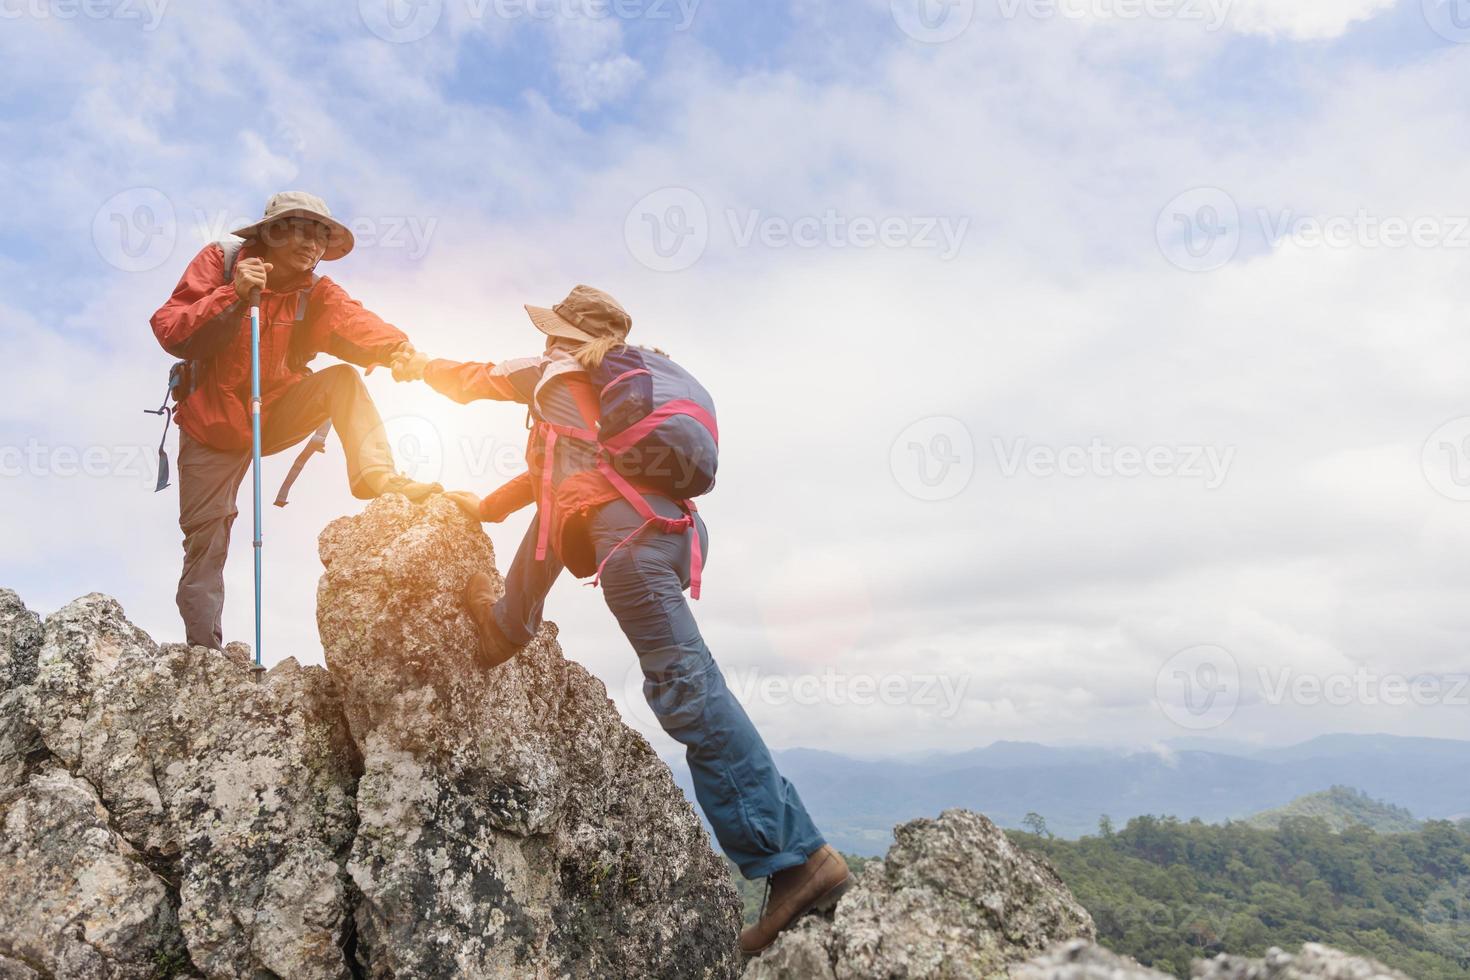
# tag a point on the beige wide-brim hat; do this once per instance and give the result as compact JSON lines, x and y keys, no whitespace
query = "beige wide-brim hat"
{"x":585,"y":314}
{"x":299,"y":204}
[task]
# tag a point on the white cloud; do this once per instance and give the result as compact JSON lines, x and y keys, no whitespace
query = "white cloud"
{"x":1303,"y":19}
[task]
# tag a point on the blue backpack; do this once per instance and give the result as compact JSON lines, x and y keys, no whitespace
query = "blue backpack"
{"x":657,"y":433}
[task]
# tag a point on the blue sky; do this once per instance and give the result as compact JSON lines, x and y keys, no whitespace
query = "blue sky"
{"x":1104,"y":239}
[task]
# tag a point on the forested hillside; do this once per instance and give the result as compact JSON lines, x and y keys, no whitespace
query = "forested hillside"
{"x":1167,"y":891}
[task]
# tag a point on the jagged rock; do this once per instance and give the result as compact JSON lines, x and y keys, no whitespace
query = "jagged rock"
{"x":237,"y":788}
{"x":1314,"y":962}
{"x":1079,"y":959}
{"x":954,"y":898}
{"x":510,"y":824}
{"x":75,"y":900}
{"x":21,"y":747}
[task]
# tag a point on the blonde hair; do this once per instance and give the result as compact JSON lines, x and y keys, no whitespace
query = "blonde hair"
{"x":590,"y":353}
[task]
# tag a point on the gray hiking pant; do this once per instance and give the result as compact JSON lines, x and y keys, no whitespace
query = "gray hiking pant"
{"x":209,"y":481}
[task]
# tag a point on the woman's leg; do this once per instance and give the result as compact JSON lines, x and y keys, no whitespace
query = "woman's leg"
{"x":756,"y":814}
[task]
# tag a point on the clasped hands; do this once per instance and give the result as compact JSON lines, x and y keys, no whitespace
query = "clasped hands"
{"x":408,"y":364}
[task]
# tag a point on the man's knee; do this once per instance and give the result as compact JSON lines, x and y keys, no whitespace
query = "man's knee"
{"x":343,"y":377}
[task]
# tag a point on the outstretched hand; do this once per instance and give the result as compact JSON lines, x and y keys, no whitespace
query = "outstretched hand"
{"x":467,"y":501}
{"x":409,"y":365}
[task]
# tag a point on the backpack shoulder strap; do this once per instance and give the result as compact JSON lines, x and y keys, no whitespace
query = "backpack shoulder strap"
{"x":231,"y":246}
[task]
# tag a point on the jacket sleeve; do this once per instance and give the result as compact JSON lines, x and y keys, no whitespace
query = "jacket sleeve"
{"x":471,"y":380}
{"x":204,"y":313}
{"x":342,"y":327}
{"x":507,"y":499}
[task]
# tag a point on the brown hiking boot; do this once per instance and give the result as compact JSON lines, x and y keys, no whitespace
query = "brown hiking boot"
{"x":494,"y":649}
{"x":811,"y":887}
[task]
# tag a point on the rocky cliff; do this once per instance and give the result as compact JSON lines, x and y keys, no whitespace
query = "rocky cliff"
{"x":170,"y":811}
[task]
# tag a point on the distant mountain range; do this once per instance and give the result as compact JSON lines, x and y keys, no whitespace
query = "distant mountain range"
{"x":856,"y":802}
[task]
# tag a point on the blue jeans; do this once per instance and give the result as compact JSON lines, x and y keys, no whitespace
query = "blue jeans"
{"x":757,"y":816}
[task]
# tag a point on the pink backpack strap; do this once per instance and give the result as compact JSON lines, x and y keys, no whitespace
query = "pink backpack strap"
{"x":550,"y":432}
{"x":666,"y":525}
{"x":633,"y":434}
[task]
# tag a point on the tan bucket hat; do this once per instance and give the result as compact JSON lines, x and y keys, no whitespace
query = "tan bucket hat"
{"x":299,"y":204}
{"x":585,"y":314}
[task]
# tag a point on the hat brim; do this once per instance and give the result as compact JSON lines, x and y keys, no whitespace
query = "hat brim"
{"x":551,"y":324}
{"x":339,"y":241}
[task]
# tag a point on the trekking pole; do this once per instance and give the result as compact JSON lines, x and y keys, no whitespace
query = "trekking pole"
{"x":255,"y":445}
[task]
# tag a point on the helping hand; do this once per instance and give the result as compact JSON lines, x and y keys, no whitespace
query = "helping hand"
{"x":467,"y":501}
{"x":409,"y":365}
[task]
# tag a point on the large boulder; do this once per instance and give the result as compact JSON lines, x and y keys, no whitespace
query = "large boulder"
{"x":235,"y":786}
{"x":953,"y":898}
{"x":510,"y":824}
{"x":75,"y":898}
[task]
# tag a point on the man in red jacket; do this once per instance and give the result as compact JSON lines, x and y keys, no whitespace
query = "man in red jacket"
{"x":207,"y":323}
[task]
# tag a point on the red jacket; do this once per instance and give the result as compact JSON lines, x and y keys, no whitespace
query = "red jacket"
{"x":205,"y":320}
